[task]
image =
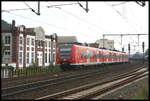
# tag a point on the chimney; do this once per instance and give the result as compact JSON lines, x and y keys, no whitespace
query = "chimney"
{"x":13,"y":24}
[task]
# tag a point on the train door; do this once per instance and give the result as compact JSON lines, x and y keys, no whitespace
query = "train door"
{"x":97,"y":55}
{"x":88,"y":57}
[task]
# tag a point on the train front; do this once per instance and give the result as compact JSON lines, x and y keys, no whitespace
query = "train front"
{"x":64,"y":56}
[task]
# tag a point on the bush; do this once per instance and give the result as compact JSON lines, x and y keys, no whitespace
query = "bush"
{"x":8,"y":67}
{"x":33,"y":65}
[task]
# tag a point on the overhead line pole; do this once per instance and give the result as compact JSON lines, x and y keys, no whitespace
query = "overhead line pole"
{"x":123,"y":35}
{"x":38,"y":8}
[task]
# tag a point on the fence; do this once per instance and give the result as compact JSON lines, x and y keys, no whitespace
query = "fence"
{"x":8,"y":71}
{"x":35,"y":70}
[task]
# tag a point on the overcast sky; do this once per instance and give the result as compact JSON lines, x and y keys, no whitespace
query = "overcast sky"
{"x":72,"y":20}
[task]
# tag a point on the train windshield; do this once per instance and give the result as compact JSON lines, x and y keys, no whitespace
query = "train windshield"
{"x":65,"y":51}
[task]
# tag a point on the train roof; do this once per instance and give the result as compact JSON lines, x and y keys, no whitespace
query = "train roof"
{"x":79,"y":45}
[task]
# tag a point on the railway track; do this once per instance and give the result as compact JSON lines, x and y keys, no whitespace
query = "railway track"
{"x":92,"y":90}
{"x":29,"y":87}
{"x":38,"y":77}
{"x":10,"y":91}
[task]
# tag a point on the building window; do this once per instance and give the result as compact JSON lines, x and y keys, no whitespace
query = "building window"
{"x":7,"y":59}
{"x":20,"y":40}
{"x":32,"y":42}
{"x":7,"y":52}
{"x":20,"y":57}
{"x":28,"y":41}
{"x":32,"y":57}
{"x":45,"y":43}
{"x":7,"y":39}
{"x":39,"y":43}
{"x":45,"y":57}
{"x":27,"y":57}
{"x":49,"y":43}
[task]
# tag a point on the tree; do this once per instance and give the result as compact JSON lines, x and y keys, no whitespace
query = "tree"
{"x":5,"y":25}
{"x":146,"y":52}
{"x":2,"y":47}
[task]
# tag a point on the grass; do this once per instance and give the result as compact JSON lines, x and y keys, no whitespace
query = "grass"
{"x":142,"y":93}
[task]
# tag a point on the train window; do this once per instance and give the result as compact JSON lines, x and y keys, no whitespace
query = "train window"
{"x":91,"y":55}
{"x":107,"y":56}
{"x":94,"y":56}
{"x":101,"y":56}
{"x":77,"y":51}
{"x":81,"y":55}
{"x":88,"y":55}
{"x":97,"y":55}
{"x":84,"y":55}
{"x":65,"y":51}
{"x":104,"y":56}
{"x":112,"y":56}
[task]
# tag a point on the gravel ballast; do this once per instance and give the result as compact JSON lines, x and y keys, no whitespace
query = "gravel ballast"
{"x":127,"y":92}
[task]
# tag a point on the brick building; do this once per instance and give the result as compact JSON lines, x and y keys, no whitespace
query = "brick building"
{"x":22,"y":46}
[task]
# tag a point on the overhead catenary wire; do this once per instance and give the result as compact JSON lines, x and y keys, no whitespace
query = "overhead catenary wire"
{"x":122,"y":17}
{"x":119,"y":3}
{"x":61,"y":5}
{"x":33,"y":9}
{"x":87,"y":22}
{"x":62,"y":28}
{"x":9,"y":10}
{"x":83,"y":20}
{"x":73,"y":14}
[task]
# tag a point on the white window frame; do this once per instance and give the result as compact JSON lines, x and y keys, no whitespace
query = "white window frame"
{"x":28,"y":58}
{"x":32,"y":57}
{"x":20,"y":58}
{"x":32,"y":42}
{"x":20,"y":41}
{"x":7,"y":39}
{"x":28,"y":41}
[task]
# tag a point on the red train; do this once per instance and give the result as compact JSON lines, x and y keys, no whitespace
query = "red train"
{"x":71,"y":55}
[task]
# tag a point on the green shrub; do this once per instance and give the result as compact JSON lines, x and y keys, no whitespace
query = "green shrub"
{"x":7,"y":67}
{"x":33,"y":65}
